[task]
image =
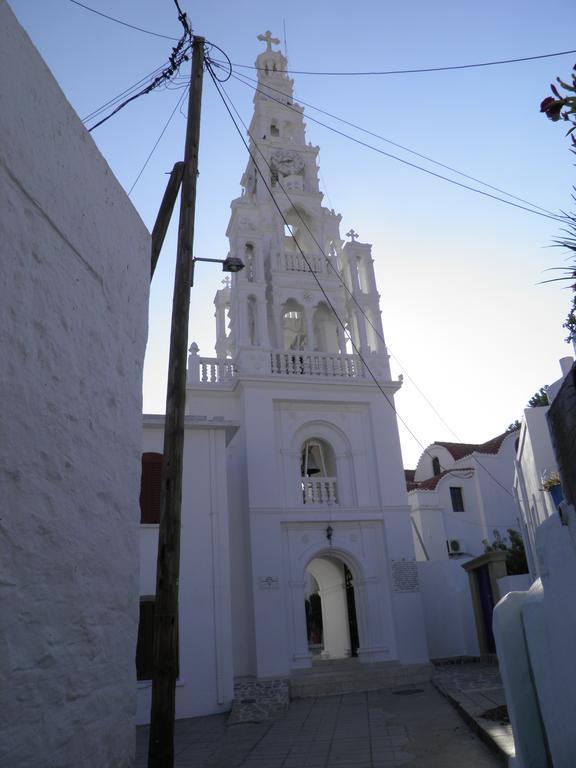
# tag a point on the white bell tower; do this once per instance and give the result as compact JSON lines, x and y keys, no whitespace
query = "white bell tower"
{"x":322,"y":556}
{"x":291,"y":295}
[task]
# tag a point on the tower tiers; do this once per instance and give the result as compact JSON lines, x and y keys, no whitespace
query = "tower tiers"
{"x":305,"y":304}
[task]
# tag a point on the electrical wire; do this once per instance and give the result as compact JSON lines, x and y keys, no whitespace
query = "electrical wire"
{"x":178,"y":103}
{"x":419,"y":70}
{"x":330,"y":304}
{"x":124,"y":23}
{"x":389,"y":141}
{"x":147,"y":78}
{"x":415,"y":165}
{"x":180,"y":54}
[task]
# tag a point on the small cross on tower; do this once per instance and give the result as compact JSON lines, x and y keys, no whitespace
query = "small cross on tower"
{"x":226,"y":282}
{"x":268,"y":39}
{"x":352,"y":235}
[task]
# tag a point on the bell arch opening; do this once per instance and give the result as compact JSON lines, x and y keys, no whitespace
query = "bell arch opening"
{"x":326,"y":335}
{"x":318,"y":472}
{"x":294,"y":335}
{"x":301,"y":229}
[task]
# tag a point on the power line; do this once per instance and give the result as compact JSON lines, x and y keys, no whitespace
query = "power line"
{"x":124,"y":23}
{"x":413,"y":165}
{"x":419,"y":70}
{"x":389,"y":141}
{"x":330,"y":304}
{"x":124,"y":93}
{"x":180,"y":54}
{"x":178,"y":103}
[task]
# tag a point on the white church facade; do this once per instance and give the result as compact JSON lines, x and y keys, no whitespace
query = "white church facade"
{"x":296,"y":535}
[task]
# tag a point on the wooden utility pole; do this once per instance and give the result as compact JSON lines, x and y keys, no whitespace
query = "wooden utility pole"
{"x":165,"y":214}
{"x":161,"y":744}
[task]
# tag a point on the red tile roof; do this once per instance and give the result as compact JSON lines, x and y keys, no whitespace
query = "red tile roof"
{"x":427,"y":485}
{"x":459,"y":450}
{"x":430,"y":483}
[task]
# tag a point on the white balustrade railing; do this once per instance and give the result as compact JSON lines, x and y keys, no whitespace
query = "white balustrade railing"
{"x":215,"y":370}
{"x":319,"y":490}
{"x":295,"y":262}
{"x":304,"y":363}
{"x":223,"y":370}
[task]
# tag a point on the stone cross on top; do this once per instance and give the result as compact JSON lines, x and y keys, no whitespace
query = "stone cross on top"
{"x":268,"y":39}
{"x":352,"y":235}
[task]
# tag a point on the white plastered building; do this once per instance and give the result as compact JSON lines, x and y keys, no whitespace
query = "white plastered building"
{"x":296,"y":534}
{"x":534,"y":463}
{"x":460,"y":494}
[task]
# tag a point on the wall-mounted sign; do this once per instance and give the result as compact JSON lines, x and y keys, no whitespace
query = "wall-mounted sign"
{"x":405,"y":576}
{"x":268,"y":582}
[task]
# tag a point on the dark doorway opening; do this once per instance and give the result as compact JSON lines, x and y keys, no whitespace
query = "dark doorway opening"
{"x":351,"y":603}
{"x":314,"y":625}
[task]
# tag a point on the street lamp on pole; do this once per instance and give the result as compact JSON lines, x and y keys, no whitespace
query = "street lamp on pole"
{"x":229,"y":264}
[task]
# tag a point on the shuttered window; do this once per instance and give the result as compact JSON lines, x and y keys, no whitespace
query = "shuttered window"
{"x":150,"y":487}
{"x":457,"y":499}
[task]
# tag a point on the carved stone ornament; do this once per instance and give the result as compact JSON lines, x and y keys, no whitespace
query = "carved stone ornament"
{"x":286,"y":162}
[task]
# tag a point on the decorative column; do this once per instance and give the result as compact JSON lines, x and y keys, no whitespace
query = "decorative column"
{"x":193,"y":364}
{"x":309,"y":315}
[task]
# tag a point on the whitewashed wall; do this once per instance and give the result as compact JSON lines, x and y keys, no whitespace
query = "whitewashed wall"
{"x":73,"y":322}
{"x":448,"y":610}
{"x":535,"y":458}
{"x":486,"y":483}
{"x":534,"y":634}
{"x":205,"y":685}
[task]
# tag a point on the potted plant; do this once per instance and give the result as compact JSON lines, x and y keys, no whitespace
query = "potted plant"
{"x":551,"y":483}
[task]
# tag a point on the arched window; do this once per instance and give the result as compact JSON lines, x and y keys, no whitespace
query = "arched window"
{"x":150,"y":485}
{"x":294,"y":326}
{"x":326,"y":337}
{"x":318,"y":471}
{"x":249,"y":262}
{"x":436,"y":466}
{"x":274,"y":130}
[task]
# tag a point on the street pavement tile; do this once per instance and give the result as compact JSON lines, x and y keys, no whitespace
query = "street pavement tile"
{"x":374,"y":730}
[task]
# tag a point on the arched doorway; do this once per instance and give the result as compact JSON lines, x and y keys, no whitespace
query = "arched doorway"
{"x":331,"y":609}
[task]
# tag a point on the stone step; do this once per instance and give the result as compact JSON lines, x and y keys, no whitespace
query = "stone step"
{"x":350,"y":676}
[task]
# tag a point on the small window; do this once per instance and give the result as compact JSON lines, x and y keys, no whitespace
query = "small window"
{"x":274,"y":130}
{"x":436,"y":466}
{"x":288,"y":230}
{"x":457,"y":499}
{"x":274,"y":178}
{"x":144,"y":648}
{"x":150,"y":484}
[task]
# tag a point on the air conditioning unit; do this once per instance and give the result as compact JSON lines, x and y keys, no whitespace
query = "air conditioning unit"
{"x":455,"y":546}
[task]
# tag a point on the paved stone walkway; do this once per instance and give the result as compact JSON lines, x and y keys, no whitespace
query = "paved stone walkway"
{"x":476,"y":690}
{"x":412,"y":726}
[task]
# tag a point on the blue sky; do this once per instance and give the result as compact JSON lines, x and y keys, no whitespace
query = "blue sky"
{"x":458,"y":273}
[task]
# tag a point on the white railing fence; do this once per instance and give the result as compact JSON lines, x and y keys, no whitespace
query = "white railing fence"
{"x":319,"y":490}
{"x":316,"y":364}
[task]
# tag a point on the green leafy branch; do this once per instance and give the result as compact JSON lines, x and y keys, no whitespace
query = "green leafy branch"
{"x":562,"y":107}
